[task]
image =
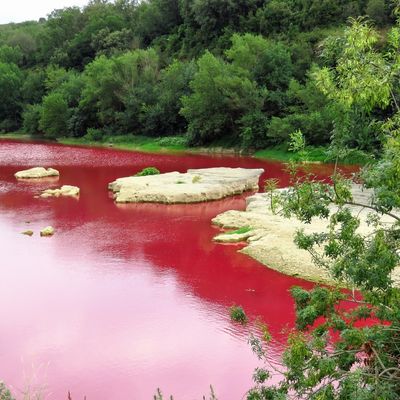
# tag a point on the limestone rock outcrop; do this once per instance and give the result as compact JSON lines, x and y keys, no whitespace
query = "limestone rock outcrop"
{"x":65,"y":190}
{"x":196,"y":185}
{"x":271,"y":237}
{"x":36,"y":173}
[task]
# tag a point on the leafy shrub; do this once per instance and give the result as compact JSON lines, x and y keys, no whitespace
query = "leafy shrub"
{"x":9,"y":125}
{"x":31,"y":118}
{"x":172,"y":141}
{"x":221,"y":95}
{"x":253,"y":132}
{"x":54,"y":115}
{"x":148,"y":171}
{"x":279,"y":130}
{"x":238,"y":315}
{"x":93,"y":135}
{"x":5,"y":394}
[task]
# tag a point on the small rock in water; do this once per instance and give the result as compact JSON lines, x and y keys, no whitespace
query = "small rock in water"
{"x":65,"y":190}
{"x":48,"y":231}
{"x":36,"y":172}
{"x":27,"y":233}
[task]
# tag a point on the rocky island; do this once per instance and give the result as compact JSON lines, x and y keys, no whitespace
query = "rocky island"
{"x":194,"y":186}
{"x":36,"y":173}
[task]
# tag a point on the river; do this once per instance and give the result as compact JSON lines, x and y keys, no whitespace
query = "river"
{"x":124,"y":299}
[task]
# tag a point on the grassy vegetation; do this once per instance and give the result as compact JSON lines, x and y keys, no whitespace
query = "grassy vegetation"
{"x":313,"y":155}
{"x":240,"y":231}
{"x":148,"y":171}
{"x":15,"y":135}
{"x":238,"y":315}
{"x":133,"y":142}
{"x":177,"y":144}
{"x":281,"y":153}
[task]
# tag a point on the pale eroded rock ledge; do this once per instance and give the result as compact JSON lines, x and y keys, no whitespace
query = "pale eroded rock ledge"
{"x":270,"y":240}
{"x":194,"y":186}
{"x":65,"y":190}
{"x":36,"y":173}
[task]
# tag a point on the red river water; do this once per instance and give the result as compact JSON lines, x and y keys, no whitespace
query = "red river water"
{"x":125,"y":299}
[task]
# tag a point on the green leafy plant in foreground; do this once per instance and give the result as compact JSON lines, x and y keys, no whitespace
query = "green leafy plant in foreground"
{"x":148,"y":171}
{"x":5,"y":394}
{"x":346,"y":344}
{"x":237,"y":314}
{"x":159,"y":395}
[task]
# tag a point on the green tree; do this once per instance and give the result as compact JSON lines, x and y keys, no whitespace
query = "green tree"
{"x":362,"y":362}
{"x":163,"y":117}
{"x":31,"y":119}
{"x":360,"y":83}
{"x":275,"y":16}
{"x":34,"y":87}
{"x":11,"y":80}
{"x":222,"y":95}
{"x":60,"y":28}
{"x":54,"y":115}
{"x":119,"y":89}
{"x":205,"y":21}
{"x":10,"y":54}
{"x":156,"y":18}
{"x":308,"y":110}
{"x":376,"y":9}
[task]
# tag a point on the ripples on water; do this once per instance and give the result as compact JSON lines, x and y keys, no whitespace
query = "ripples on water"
{"x":125,"y":299}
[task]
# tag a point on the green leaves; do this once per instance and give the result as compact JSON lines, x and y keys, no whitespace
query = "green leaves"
{"x":333,"y":354}
{"x":11,"y":79}
{"x":222,"y":94}
{"x":360,"y":77}
{"x":306,"y":200}
{"x":54,"y":115}
{"x":5,"y":394}
{"x":311,"y":305}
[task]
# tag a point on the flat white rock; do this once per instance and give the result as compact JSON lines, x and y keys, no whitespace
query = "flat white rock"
{"x":194,"y":186}
{"x":36,"y":172}
{"x":65,"y":190}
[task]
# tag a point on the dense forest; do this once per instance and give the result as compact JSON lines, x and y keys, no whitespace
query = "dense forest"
{"x":237,"y":71}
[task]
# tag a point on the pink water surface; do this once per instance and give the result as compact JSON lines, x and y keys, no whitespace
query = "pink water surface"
{"x":125,"y":299}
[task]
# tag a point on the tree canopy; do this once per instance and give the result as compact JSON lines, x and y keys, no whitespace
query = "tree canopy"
{"x":114,"y":64}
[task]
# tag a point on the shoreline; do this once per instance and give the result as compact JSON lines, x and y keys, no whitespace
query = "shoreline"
{"x":269,"y":237}
{"x":151,"y":145}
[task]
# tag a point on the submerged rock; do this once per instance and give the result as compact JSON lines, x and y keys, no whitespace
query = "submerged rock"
{"x":48,"y":231}
{"x":194,"y":186}
{"x":36,"y":172}
{"x":65,"y":190}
